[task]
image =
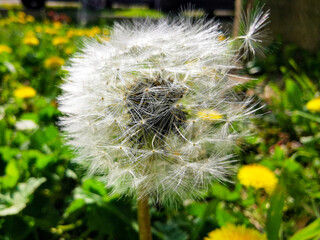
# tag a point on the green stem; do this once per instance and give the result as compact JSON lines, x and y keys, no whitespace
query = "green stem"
{"x":210,"y":208}
{"x":144,"y":219}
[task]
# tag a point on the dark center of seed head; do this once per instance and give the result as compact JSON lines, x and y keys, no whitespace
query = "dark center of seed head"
{"x":153,"y":108}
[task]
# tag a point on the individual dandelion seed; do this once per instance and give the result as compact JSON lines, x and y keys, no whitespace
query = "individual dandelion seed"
{"x":253,"y":33}
{"x":152,"y":110}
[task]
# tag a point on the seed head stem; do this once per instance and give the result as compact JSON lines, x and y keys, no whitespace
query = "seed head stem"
{"x":144,"y":219}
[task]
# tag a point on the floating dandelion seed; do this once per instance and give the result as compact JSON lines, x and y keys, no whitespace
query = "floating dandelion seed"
{"x":253,"y":33}
{"x":136,"y":108}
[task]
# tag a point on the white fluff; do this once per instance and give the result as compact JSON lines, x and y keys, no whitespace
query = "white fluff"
{"x":23,"y":125}
{"x":131,"y":108}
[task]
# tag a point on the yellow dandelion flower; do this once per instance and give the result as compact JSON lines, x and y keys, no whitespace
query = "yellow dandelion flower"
{"x":21,"y":14}
{"x":29,"y":18}
{"x":314,"y":105}
{"x":24,"y":92}
{"x":70,"y":33}
{"x":22,"y":20}
{"x":38,"y":29}
{"x":31,"y":40}
{"x":80,"y":32}
{"x":84,"y":32}
{"x":59,"y":41}
{"x":69,"y":50}
{"x":57,"y":25}
{"x":222,"y":37}
{"x":5,"y":48}
{"x":105,"y":32}
{"x":232,"y":232}
{"x":93,"y":31}
{"x":209,"y":115}
{"x":50,"y":31}
{"x":104,"y":38}
{"x":53,"y":62}
{"x":257,"y":176}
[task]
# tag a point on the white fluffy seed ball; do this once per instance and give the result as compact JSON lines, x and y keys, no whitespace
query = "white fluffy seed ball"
{"x":152,"y":110}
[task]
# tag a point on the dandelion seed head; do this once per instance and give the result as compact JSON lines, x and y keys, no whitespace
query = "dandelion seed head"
{"x":131,"y":108}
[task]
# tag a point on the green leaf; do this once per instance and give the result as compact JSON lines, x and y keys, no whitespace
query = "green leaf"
{"x":47,"y":113}
{"x":279,"y":154}
{"x":309,"y":116}
{"x":223,"y":216}
{"x":74,"y":206}
{"x":30,"y":116}
{"x":293,"y":95}
{"x":7,"y":153}
{"x":199,"y":225}
{"x":11,"y":175}
{"x":291,"y":165}
{"x":220,"y":191}
{"x":310,"y":231}
{"x":3,"y":127}
{"x":17,"y":227}
{"x":41,"y":160}
{"x":274,"y":215}
{"x":94,"y":186}
{"x":171,"y":231}
{"x":197,"y":209}
{"x":13,"y":203}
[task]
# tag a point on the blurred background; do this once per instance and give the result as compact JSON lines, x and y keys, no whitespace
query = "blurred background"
{"x":43,"y":195}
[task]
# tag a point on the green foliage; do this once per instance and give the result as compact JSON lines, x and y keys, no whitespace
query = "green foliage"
{"x":312,"y":231}
{"x":44,"y":195}
{"x":13,"y":202}
{"x":274,"y":216}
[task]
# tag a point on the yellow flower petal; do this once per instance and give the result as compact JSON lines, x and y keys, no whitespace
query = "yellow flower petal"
{"x":21,"y":14}
{"x":257,"y":176}
{"x":38,"y":29}
{"x":31,"y":40}
{"x":69,"y":50}
{"x":232,"y":232}
{"x":30,"y":18}
{"x":53,"y":62}
{"x":314,"y":105}
{"x":221,"y":38}
{"x":57,"y":25}
{"x":25,"y":92}
{"x":209,"y":115}
{"x":59,"y":41}
{"x":50,"y":31}
{"x":5,"y":48}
